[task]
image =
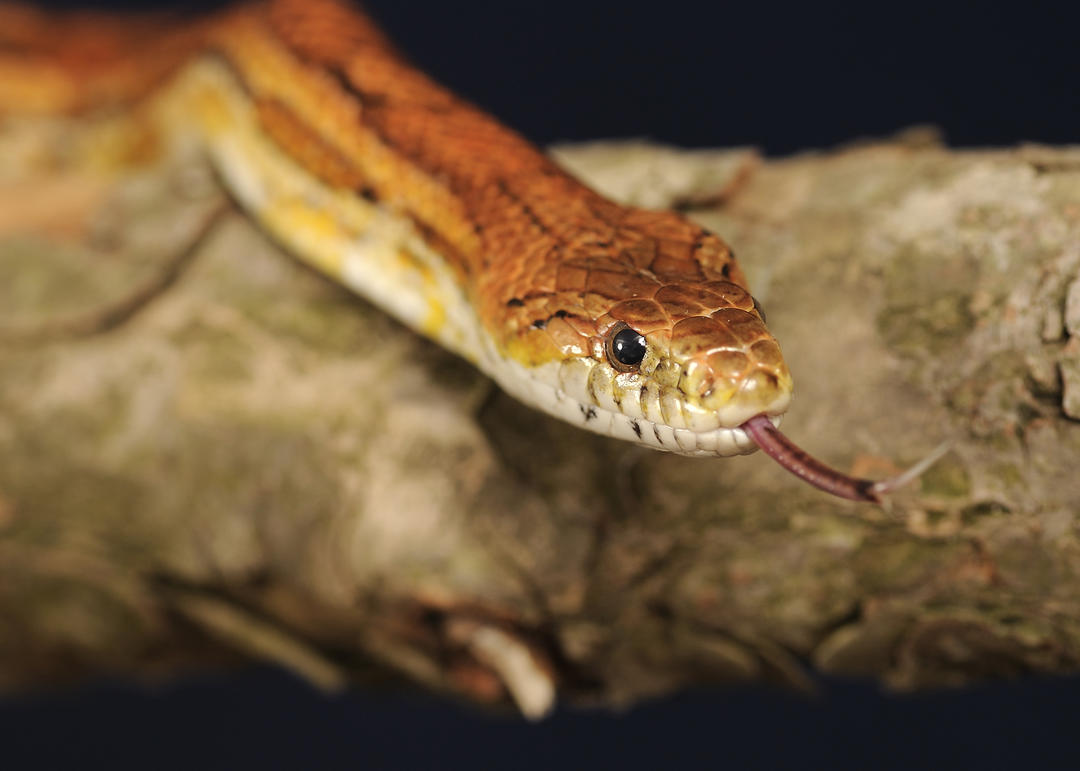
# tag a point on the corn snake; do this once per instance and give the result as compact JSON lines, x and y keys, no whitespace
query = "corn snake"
{"x":627,"y":322}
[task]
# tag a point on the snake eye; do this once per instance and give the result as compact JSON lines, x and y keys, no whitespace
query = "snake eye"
{"x":625,"y":348}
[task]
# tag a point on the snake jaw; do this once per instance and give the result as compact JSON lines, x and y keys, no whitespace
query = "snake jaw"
{"x":629,"y":406}
{"x":697,"y":381}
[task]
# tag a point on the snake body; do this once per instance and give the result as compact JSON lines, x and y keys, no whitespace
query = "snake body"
{"x":633,"y":323}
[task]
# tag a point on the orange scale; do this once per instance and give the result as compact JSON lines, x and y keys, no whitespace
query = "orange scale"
{"x":686,"y":299}
{"x":643,"y":315}
{"x":767,"y":352}
{"x":699,"y":334}
{"x":619,"y":284}
{"x":547,"y":275}
{"x":733,"y":295}
{"x":677,"y":269}
{"x":641,"y":252}
{"x":586,"y":327}
{"x":675,"y":249}
{"x":727,"y":363}
{"x":571,"y":278}
{"x":566,"y":338}
{"x":744,"y":326}
{"x":596,"y":305}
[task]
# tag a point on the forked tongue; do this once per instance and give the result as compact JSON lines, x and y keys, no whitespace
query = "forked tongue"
{"x":810,"y":469}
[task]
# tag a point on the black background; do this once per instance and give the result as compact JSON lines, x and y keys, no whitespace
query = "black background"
{"x":785,"y":77}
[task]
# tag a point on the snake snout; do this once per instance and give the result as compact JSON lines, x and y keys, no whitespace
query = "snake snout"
{"x":731,"y":366}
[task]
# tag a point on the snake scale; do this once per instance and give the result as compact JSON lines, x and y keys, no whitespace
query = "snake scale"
{"x":632,"y":323}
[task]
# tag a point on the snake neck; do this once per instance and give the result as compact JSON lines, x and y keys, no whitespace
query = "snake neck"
{"x":381,"y":178}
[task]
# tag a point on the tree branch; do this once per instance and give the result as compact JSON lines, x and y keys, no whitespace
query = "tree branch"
{"x":253,"y":464}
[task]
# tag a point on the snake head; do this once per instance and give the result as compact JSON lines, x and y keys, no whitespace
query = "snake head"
{"x":691,"y":365}
{"x":679,"y":370}
{"x":645,"y":331}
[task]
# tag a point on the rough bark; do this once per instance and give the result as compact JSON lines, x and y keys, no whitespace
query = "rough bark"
{"x":209,"y":454}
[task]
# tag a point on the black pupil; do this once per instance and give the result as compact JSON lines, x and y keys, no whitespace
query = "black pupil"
{"x":628,"y":347}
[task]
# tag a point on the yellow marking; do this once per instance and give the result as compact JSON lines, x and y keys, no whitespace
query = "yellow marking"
{"x":214,"y":112}
{"x":370,"y":248}
{"x":290,"y":215}
{"x":270,"y":70}
{"x":532,"y":349}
